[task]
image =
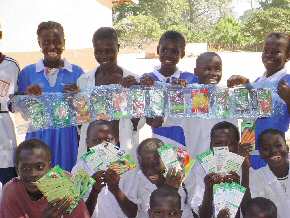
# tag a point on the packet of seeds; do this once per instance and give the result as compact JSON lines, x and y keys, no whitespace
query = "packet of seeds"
{"x":248,"y":133}
{"x":168,"y":155}
{"x":176,"y":102}
{"x":137,"y":102}
{"x":264,"y":97}
{"x":119,"y":103}
{"x":200,"y":101}
{"x":207,"y":161}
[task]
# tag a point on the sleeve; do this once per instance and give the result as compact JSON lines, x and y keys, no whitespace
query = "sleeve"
{"x":82,"y":143}
{"x":80,"y":211}
{"x":23,"y":80}
{"x":14,"y":78}
{"x":256,"y":188}
{"x":129,"y":185}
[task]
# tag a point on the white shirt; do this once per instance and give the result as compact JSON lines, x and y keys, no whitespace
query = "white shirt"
{"x":107,"y":205}
{"x":9,"y":71}
{"x":0,"y":191}
{"x":129,"y":139}
{"x":263,"y":183}
{"x":138,"y":189}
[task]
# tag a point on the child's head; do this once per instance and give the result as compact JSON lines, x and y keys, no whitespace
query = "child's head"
{"x":260,"y":208}
{"x":276,"y":52}
{"x":225,"y":134}
{"x":149,"y":159}
{"x":165,"y":202}
{"x":208,"y":68}
{"x":51,"y":40}
{"x":99,"y":131}
{"x":106,"y":47}
{"x":273,"y":148}
{"x":32,"y":161}
{"x":171,"y":49}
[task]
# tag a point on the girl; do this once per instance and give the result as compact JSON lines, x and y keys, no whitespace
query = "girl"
{"x":53,"y":74}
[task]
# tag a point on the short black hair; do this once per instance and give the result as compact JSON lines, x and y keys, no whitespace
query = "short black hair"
{"x":206,"y":55}
{"x":266,"y":205}
{"x":149,"y":145}
{"x":226,"y":125}
{"x":279,"y":35}
{"x":272,"y":132}
{"x":30,"y":145}
{"x":105,"y":33}
{"x":165,"y":192}
{"x":174,"y":36}
{"x":48,"y":25}
{"x":98,"y":123}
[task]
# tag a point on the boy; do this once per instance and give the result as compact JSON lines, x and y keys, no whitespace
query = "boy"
{"x":21,"y":197}
{"x":9,"y":71}
{"x":222,"y":134}
{"x":261,"y":208}
{"x":100,"y":202}
{"x":165,"y":202}
{"x":106,"y":48}
{"x":271,"y":181}
{"x":133,"y":190}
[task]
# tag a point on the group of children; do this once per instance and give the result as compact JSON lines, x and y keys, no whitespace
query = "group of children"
{"x":144,"y":191}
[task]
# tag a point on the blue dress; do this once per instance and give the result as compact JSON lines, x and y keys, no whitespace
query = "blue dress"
{"x":63,"y":142}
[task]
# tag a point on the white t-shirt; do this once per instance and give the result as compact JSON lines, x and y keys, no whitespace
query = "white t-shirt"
{"x":263,"y":183}
{"x":138,"y":190}
{"x":9,"y":71}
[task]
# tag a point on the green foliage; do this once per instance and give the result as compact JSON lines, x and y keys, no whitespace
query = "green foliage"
{"x":266,"y":4}
{"x":227,"y":34}
{"x":262,"y":22}
{"x":138,"y":30}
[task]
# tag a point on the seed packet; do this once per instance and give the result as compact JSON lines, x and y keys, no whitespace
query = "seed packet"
{"x":82,"y":182}
{"x":176,"y":102}
{"x":219,"y":197}
{"x":168,"y":155}
{"x":156,"y":102}
{"x":120,"y":104}
{"x":233,"y":162}
{"x":240,"y":101}
{"x":221,"y":103}
{"x":80,"y":104}
{"x":264,"y":97}
{"x":186,"y":161}
{"x":137,"y":102}
{"x":248,"y":133}
{"x":61,"y":113}
{"x":125,"y":163}
{"x":220,"y":155}
{"x":200,"y":100}
{"x":207,"y":161}
{"x":235,"y":198}
{"x":100,"y":103}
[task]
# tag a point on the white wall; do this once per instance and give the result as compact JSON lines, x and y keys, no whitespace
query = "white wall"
{"x":80,"y":18}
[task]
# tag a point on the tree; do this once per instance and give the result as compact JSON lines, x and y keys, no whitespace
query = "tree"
{"x":266,"y":4}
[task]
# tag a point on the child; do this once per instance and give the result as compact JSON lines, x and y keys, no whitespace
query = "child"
{"x":53,"y":74}
{"x":271,"y":181}
{"x":222,"y":134}
{"x":165,"y":202}
{"x":100,"y":198}
{"x":9,"y":71}
{"x":133,"y":190}
{"x":171,"y":48}
{"x":261,"y":208}
{"x":21,"y":197}
{"x":106,"y":48}
{"x":275,"y":55}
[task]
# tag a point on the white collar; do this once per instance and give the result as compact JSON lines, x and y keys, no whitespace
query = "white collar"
{"x":276,"y":76}
{"x":269,"y":175}
{"x":162,"y":78}
{"x":39,"y":66}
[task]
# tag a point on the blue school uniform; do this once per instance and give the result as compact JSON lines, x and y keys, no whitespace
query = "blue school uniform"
{"x":172,"y":134}
{"x":63,"y":142}
{"x":280,"y":117}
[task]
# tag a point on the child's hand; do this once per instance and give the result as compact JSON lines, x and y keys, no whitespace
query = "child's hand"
{"x":72,"y":88}
{"x":174,"y":178}
{"x":236,"y":80}
{"x":211,"y":179}
{"x":112,"y":179}
{"x":56,"y":208}
{"x":155,"y":122}
{"x":284,"y":91}
{"x":224,"y":213}
{"x":232,"y":177}
{"x":100,"y":181}
{"x":34,"y":90}
{"x":129,"y":81}
{"x":146,"y":81}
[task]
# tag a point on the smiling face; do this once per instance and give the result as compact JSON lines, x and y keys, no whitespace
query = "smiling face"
{"x":106,"y":51}
{"x":225,"y":137}
{"x":274,"y":150}
{"x":32,"y":165}
{"x":170,"y":52}
{"x":209,"y":70}
{"x":275,"y":54}
{"x":51,"y":42}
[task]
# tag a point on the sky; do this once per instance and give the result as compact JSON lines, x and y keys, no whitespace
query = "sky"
{"x":240,"y":6}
